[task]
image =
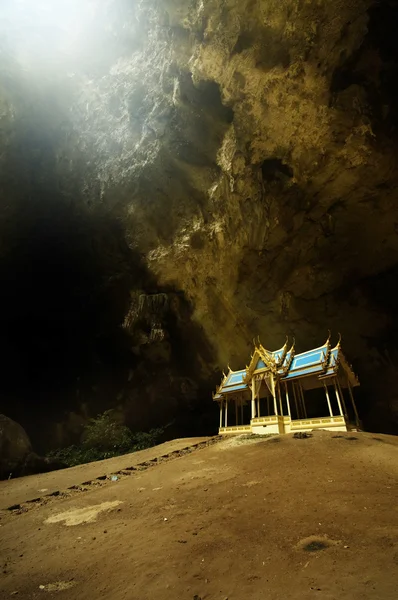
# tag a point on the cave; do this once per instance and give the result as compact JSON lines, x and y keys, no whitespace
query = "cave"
{"x":176,"y":180}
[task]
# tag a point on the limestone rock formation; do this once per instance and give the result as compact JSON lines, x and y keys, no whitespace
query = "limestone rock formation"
{"x":238,"y":158}
{"x":15,"y":446}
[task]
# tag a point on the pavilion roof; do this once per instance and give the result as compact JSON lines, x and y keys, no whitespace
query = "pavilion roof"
{"x":337,"y":360}
{"x":232,"y":382}
{"x":310,"y":363}
{"x":322,"y":362}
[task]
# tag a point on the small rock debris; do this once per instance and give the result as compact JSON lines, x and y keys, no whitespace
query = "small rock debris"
{"x":302,"y":435}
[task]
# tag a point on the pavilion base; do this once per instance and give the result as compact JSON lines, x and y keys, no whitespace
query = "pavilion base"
{"x":235,"y":429}
{"x":279,"y":425}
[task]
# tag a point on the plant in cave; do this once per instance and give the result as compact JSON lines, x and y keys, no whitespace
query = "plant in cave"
{"x":142,"y":440}
{"x":105,"y":434}
{"x":104,"y":437}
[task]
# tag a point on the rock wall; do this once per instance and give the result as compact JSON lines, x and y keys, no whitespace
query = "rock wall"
{"x":15,"y":446}
{"x":237,"y":157}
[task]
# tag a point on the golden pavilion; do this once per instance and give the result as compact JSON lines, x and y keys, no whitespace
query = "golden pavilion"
{"x":283,"y":392}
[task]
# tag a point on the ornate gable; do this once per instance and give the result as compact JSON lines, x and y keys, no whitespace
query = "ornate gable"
{"x":280,"y":355}
{"x":287,"y":361}
{"x":261,"y":360}
{"x":233,"y":382}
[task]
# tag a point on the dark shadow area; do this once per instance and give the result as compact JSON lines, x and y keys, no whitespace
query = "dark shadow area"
{"x":269,"y":48}
{"x":378,"y":394}
{"x":245,"y":41}
{"x":66,"y":277}
{"x":374,"y":69}
{"x":192,"y":350}
{"x":197,"y":128}
{"x":315,"y":404}
{"x":273,"y":169}
{"x":315,"y":546}
{"x":173,"y":377}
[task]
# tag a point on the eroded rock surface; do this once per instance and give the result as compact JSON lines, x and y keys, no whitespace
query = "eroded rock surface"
{"x":245,"y":153}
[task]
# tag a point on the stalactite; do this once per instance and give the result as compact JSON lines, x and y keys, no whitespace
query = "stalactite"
{"x":153,"y":303}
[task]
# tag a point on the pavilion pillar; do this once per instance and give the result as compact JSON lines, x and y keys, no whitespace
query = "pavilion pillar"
{"x":342,"y":398}
{"x":221,"y":403}
{"x":295,"y":399}
{"x":338,"y":398}
{"x":226,"y":413}
{"x":328,"y":399}
{"x":258,"y":407}
{"x":236,"y":411}
{"x":241,"y":412}
{"x":357,"y":422}
{"x":268,"y":411}
{"x":302,"y":399}
{"x":287,"y":400}
{"x":280,"y":398}
{"x":274,"y":393}
{"x":253,"y":398}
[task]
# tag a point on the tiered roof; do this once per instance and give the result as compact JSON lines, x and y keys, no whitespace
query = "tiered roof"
{"x":285,"y":365}
{"x":310,"y":363}
{"x":231,"y":383}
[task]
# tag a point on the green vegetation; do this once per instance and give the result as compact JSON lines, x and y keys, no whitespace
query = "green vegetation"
{"x":103,"y":437}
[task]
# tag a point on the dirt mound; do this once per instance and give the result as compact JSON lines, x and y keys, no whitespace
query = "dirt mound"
{"x":241,"y":518}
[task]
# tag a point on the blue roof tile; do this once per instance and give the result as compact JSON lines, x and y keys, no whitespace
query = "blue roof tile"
{"x":235,"y":377}
{"x":234,"y":388}
{"x":307,"y":363}
{"x":302,"y":372}
{"x":308,"y":359}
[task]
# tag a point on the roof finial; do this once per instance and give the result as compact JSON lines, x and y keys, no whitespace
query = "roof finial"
{"x":229,"y":368}
{"x":329,"y":336}
{"x":339,"y":342}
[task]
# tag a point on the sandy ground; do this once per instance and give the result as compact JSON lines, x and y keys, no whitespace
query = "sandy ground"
{"x":278,"y":518}
{"x":34,"y":486}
